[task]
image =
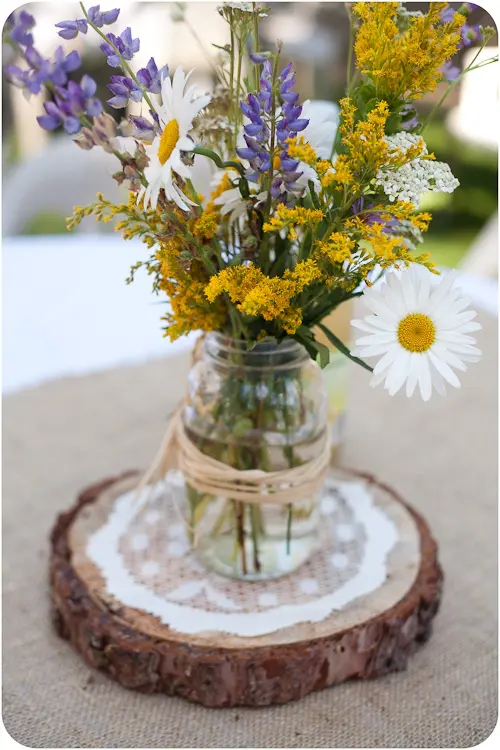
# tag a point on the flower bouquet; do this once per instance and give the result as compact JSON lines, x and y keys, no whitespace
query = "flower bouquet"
{"x":299,"y":217}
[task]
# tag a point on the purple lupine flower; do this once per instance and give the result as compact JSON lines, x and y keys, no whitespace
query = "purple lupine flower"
{"x":124,"y":47}
{"x":71,"y":29}
{"x":123,"y":89}
{"x":20,"y":28}
{"x":257,"y":109}
{"x":150,"y":77}
{"x":102,"y":18}
{"x":71,"y":102}
{"x":449,"y":71}
{"x":24,"y":79}
{"x":62,"y":65}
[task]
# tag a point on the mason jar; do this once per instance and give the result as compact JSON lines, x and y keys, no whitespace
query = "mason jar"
{"x":263,"y":408}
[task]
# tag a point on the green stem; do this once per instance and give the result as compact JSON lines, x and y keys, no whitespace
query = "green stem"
{"x":256,"y":43}
{"x":273,"y":136}
{"x":254,"y":525}
{"x":351,"y":43}
{"x":231,"y":92}
{"x":237,"y":113}
{"x":217,"y":159}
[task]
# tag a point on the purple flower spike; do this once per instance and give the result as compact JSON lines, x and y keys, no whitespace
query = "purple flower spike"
{"x":71,"y":29}
{"x":151,"y":78}
{"x":258,"y":152}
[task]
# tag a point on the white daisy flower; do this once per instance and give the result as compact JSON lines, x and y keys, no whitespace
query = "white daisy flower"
{"x":419,"y":329}
{"x":176,"y":113}
{"x":230,"y":201}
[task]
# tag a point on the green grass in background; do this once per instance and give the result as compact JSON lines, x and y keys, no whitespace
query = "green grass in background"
{"x":459,"y":217}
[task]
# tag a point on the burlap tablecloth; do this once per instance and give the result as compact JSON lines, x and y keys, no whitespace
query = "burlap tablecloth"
{"x":442,"y":456}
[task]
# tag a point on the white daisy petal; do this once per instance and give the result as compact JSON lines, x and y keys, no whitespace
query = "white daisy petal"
{"x":386,"y":360}
{"x":379,"y":338}
{"x":444,"y":369}
{"x":469,"y":327}
{"x":447,"y":356}
{"x":424,"y":377}
{"x":438,"y":382}
{"x":361,"y":324}
{"x":412,"y":380}
{"x":378,"y":322}
{"x":377,"y":306}
{"x":398,"y":373}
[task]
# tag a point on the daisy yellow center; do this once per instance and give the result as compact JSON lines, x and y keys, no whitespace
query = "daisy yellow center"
{"x":416,"y":332}
{"x":168,"y":140}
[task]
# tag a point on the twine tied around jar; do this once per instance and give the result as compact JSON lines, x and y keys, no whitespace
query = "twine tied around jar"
{"x":206,"y":474}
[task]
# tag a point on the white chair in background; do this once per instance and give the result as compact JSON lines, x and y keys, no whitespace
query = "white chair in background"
{"x":475,"y":118}
{"x":55,"y":180}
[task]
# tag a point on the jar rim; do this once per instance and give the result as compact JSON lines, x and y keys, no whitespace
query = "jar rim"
{"x":220,"y":346}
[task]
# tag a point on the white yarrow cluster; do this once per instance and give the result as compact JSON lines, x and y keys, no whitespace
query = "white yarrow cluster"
{"x":412,"y":180}
{"x":244,"y":7}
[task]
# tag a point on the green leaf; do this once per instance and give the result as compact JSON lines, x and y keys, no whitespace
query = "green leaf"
{"x":342,"y":347}
{"x":323,"y":354}
{"x":314,"y":197}
{"x":243,"y":186}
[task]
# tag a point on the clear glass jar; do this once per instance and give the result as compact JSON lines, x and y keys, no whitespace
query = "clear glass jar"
{"x":260,"y":409}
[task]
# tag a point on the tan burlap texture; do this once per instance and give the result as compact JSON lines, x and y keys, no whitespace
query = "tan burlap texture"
{"x":441,"y":456}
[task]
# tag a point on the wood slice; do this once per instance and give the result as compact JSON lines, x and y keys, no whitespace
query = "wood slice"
{"x":372,"y":636}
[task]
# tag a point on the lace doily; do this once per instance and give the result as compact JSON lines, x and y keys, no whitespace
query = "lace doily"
{"x":145,"y":563}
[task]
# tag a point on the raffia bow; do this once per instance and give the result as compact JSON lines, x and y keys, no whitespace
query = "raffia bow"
{"x":208,"y":475}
